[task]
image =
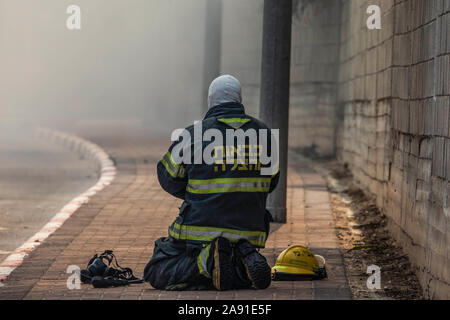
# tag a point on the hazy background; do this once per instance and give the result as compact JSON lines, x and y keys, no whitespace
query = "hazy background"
{"x":135,"y":60}
{"x":133,"y":63}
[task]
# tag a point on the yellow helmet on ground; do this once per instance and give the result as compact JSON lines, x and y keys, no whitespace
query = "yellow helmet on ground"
{"x":298,"y":263}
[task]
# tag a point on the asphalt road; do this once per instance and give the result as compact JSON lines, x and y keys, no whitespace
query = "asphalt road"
{"x":37,"y":178}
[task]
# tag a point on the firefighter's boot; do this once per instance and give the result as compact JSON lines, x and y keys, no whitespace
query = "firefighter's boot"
{"x":258,"y":271}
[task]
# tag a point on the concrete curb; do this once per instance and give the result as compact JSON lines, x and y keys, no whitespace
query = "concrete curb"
{"x":107,"y":174}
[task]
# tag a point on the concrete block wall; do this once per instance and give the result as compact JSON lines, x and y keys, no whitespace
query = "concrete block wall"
{"x":394,"y":88}
{"x":365,"y":75}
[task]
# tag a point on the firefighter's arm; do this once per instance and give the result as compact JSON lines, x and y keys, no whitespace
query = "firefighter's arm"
{"x":274,"y":181}
{"x":172,"y":176}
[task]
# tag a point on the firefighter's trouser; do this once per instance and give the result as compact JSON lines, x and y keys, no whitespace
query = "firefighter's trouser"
{"x":177,"y":266}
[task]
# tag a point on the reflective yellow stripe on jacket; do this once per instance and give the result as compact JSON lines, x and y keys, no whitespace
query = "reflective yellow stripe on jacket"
{"x":236,"y":123}
{"x":202,"y":261}
{"x":223,"y":185}
{"x":175,"y":170}
{"x":206,"y":234}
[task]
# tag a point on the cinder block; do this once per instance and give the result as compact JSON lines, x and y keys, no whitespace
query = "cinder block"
{"x":438,"y":242}
{"x":446,"y":32}
{"x":427,"y":114}
{"x":402,"y":50}
{"x":414,"y":229}
{"x":447,"y":165}
{"x":400,"y":79}
{"x":443,"y":75}
{"x":439,"y":159}
{"x":424,"y":169}
{"x":426,"y":148}
{"x":441,"y":40}
{"x":442,"y":116}
{"x":388,"y":25}
{"x":403,"y":20}
{"x":371,"y":59}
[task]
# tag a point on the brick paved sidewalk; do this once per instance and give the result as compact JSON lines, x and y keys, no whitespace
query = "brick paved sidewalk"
{"x":130,"y":214}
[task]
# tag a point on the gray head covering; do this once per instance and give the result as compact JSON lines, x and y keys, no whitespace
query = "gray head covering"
{"x":224,"y":89}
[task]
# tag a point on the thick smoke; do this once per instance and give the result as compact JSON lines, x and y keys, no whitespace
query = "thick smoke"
{"x":134,"y":60}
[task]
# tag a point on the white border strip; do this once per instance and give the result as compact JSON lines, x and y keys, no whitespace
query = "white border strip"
{"x":108,"y":172}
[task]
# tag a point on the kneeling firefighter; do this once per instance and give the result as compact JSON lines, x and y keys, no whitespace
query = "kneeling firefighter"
{"x":214,"y":242}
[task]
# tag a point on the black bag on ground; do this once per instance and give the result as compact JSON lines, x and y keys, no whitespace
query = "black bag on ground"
{"x":103,"y":271}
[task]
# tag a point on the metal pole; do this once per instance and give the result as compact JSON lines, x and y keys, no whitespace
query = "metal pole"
{"x":213,"y":45}
{"x":275,"y":81}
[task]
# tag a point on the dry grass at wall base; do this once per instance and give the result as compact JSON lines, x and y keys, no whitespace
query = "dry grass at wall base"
{"x":364,"y":239}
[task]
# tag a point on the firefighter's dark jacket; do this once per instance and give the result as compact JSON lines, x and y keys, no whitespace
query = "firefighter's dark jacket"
{"x":226,"y":200}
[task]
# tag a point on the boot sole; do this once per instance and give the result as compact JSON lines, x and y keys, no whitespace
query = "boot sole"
{"x":258,"y":271}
